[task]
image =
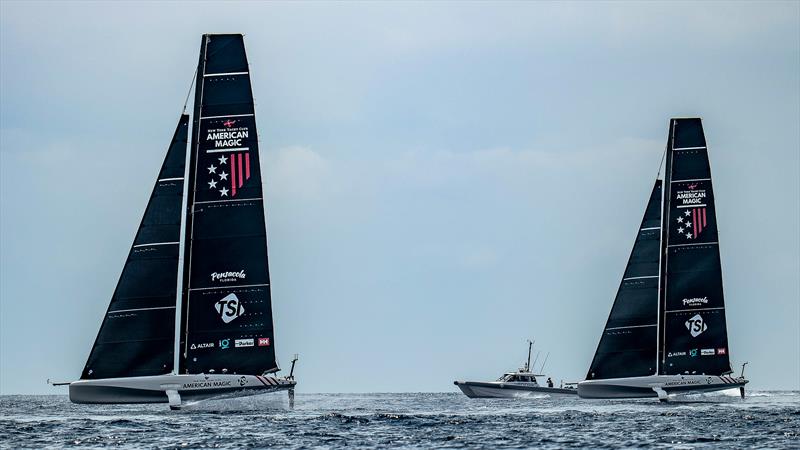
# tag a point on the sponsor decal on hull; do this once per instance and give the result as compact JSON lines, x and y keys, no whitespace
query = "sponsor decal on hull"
{"x":707,"y":352}
{"x":263,"y":342}
{"x":206,"y":384}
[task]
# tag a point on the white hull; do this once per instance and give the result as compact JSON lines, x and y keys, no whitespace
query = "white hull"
{"x":656,"y":386}
{"x":500,"y":389}
{"x":173,"y":389}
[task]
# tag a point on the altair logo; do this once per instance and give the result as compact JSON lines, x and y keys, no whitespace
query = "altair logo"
{"x":229,"y":308}
{"x":696,"y":325}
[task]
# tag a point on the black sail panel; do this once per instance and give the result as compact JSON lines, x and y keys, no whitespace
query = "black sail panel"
{"x":627,"y":347}
{"x":694,"y":339}
{"x":138,"y":331}
{"x":227,"y":303}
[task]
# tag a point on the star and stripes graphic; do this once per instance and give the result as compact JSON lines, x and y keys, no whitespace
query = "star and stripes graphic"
{"x":692,"y":222}
{"x":228,"y":172}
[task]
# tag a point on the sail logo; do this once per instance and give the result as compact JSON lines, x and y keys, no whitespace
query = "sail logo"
{"x":229,"y":171}
{"x":692,"y":217}
{"x":201,"y":345}
{"x":244,"y":342}
{"x":228,"y":138}
{"x":229,"y":308}
{"x":696,"y":301}
{"x":696,"y":325}
{"x":224,"y":277}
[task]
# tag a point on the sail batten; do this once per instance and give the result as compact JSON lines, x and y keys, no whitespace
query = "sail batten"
{"x":136,"y":337}
{"x":227,"y":310}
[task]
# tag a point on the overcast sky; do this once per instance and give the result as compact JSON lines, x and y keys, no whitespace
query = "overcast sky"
{"x":442,"y":181}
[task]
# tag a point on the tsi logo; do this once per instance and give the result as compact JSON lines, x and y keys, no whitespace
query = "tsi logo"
{"x":696,"y":326}
{"x":229,"y":308}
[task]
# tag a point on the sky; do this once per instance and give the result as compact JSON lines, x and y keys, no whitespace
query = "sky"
{"x":442,"y":180}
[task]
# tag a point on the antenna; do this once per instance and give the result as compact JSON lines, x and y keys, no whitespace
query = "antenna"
{"x":537,"y":358}
{"x":541,"y":369}
{"x":291,"y":371}
{"x":528,"y":364}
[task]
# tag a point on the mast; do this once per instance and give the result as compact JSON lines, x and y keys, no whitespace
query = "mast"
{"x":662,"y":268}
{"x":528,"y":364}
{"x":190,"y":195}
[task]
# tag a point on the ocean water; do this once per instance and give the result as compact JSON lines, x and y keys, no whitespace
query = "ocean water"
{"x":414,"y":420}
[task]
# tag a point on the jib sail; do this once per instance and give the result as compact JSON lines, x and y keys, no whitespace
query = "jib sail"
{"x":136,"y":337}
{"x":627,"y":347}
{"x":693,"y":338}
{"x":227,"y":306}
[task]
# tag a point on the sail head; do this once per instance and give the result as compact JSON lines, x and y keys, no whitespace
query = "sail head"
{"x":136,"y":337}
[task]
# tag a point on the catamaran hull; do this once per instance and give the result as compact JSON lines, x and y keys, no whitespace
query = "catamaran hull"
{"x":157,"y":389}
{"x":478,"y":389}
{"x":656,"y":386}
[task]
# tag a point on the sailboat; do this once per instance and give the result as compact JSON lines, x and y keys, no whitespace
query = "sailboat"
{"x":191,"y":316}
{"x":666,"y":333}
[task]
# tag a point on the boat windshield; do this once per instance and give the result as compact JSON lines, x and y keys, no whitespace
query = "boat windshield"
{"x":512,"y":377}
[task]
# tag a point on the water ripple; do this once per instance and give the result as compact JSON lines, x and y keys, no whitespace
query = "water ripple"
{"x":764,"y":419}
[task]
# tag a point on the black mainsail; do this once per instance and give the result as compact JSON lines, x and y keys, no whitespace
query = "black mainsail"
{"x":693,"y":337}
{"x":136,"y":337}
{"x":627,"y":347}
{"x":227,"y":310}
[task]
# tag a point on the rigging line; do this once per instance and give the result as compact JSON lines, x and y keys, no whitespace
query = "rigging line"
{"x":661,"y":164}
{"x":191,"y":85}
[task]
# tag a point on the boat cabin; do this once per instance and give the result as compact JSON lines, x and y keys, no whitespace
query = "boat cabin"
{"x":518,"y":377}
